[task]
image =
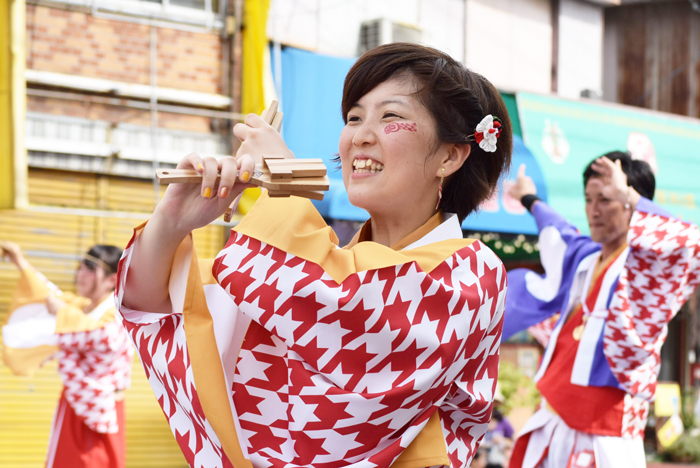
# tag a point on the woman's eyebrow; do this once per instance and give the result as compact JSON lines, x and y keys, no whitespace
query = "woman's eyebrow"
{"x":394,"y":101}
{"x":400,"y":102}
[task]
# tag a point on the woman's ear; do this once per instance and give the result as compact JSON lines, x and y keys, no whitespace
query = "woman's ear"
{"x":454,"y":158}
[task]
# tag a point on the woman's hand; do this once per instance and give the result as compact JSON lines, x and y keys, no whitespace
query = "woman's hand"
{"x":259,"y":139}
{"x":615,"y":181}
{"x":185,"y":207}
{"x":522,"y":186}
{"x":54,"y":304}
{"x":14,"y":253}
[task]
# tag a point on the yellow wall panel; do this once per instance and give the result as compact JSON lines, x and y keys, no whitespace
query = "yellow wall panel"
{"x":60,"y":188}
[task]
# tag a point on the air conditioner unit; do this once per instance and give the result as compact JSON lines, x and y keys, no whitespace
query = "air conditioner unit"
{"x":385,"y":31}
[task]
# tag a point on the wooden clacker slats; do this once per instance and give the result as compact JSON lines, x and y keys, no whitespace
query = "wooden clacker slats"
{"x":281,"y":177}
{"x":286,"y":169}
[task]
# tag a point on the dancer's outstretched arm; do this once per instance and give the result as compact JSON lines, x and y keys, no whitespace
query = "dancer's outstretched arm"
{"x":184,"y":207}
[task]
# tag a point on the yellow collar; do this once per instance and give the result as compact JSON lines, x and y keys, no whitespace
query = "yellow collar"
{"x":365,"y":233}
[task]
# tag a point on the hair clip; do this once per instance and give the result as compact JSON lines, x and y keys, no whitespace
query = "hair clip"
{"x":89,"y":258}
{"x":487,"y":133}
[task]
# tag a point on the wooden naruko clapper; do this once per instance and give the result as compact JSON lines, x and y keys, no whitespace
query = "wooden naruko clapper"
{"x":282,"y":177}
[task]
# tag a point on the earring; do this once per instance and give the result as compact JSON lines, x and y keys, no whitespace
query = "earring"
{"x":442,"y":179}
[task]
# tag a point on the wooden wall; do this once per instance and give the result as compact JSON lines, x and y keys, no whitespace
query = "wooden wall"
{"x":652,"y":54}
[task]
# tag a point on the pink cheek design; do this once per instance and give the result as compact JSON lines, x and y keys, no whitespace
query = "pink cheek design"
{"x":396,"y":126}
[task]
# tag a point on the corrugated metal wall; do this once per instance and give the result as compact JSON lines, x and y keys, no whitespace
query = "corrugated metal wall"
{"x":53,"y":242}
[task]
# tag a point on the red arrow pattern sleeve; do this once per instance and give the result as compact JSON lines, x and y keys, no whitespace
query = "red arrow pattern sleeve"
{"x":662,"y":270}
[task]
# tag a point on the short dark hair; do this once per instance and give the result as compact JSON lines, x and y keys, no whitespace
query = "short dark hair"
{"x":457,"y":98}
{"x":480,"y":452}
{"x":639,"y":174}
{"x":109,"y":254}
{"x":497,"y":415}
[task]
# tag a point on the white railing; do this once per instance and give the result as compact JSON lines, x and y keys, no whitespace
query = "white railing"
{"x":198,"y":14}
{"x":85,"y":145}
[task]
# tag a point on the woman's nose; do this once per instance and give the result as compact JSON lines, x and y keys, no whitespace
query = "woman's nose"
{"x":364,"y":135}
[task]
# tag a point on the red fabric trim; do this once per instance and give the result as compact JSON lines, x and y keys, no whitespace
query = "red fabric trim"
{"x":595,"y":410}
{"x":78,"y":446}
{"x":519,"y":448}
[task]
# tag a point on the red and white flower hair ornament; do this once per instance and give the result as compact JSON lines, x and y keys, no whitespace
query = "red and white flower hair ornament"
{"x":487,"y":133}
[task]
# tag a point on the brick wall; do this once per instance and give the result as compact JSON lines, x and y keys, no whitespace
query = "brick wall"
{"x":78,"y":43}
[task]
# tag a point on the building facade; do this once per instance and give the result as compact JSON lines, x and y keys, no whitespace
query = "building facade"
{"x":526,"y":45}
{"x":107,"y":91}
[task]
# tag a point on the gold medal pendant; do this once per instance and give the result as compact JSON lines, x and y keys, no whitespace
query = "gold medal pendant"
{"x":578,"y":331}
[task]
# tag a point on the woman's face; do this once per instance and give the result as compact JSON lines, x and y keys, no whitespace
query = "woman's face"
{"x":86,"y":279}
{"x":384,"y":150}
{"x":92,"y":282}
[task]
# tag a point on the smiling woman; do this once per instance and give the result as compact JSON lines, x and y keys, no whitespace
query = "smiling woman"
{"x":289,"y":350}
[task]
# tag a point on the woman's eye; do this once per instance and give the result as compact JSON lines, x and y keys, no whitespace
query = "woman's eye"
{"x":390,"y":114}
{"x":353,"y":118}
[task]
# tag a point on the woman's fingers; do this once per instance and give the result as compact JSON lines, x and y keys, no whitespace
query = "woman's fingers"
{"x":246,"y":130}
{"x":521,"y":171}
{"x":209,"y":175}
{"x":192,"y":161}
{"x":228,"y":167}
{"x":233,"y":170}
{"x":241,"y":131}
{"x":246,"y":167}
{"x":255,"y":121}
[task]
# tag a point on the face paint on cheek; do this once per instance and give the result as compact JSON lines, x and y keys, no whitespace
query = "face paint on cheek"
{"x":396,"y":126}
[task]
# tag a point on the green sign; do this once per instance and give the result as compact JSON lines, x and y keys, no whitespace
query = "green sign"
{"x":565,"y":136}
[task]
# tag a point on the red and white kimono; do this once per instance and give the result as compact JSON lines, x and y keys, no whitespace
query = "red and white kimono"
{"x":289,"y":351}
{"x":94,"y":361}
{"x":602,"y":359}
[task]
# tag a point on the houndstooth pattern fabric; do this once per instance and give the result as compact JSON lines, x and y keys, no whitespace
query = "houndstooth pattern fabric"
{"x":93,"y":365}
{"x":360,"y":366}
{"x":342,"y":374}
{"x":542,"y":331}
{"x":634,"y":417}
{"x":163,"y":352}
{"x":662,"y":270}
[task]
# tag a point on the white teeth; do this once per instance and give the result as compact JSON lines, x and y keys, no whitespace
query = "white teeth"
{"x":362,"y":166}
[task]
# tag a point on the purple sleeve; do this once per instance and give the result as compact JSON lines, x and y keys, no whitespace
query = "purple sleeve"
{"x":506,"y":428}
{"x":533,"y":298}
